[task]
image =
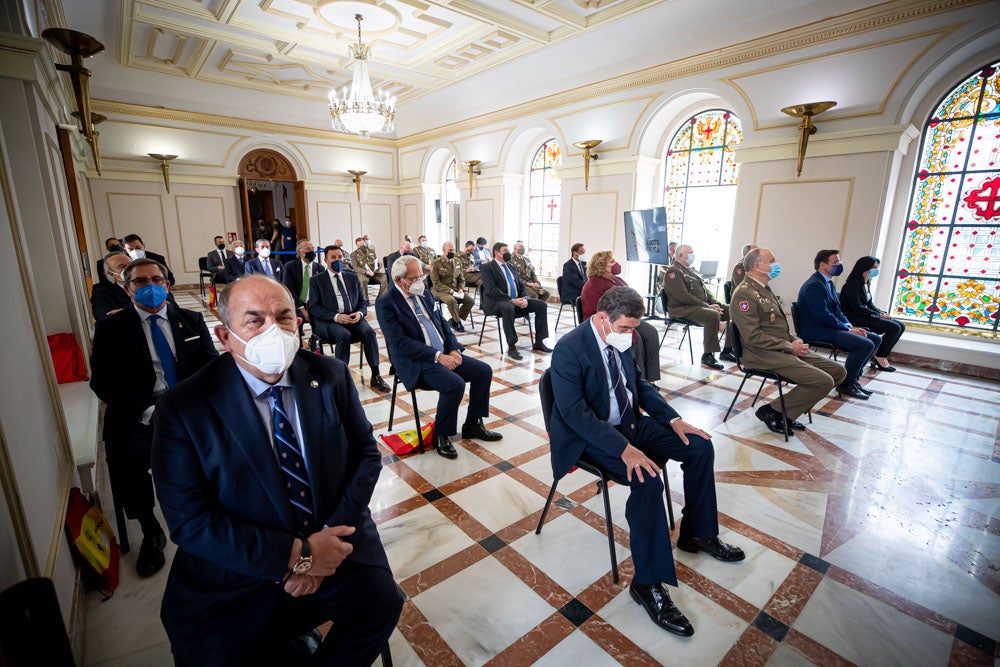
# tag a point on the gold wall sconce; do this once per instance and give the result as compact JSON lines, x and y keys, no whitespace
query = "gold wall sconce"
{"x":470,"y":166}
{"x":95,"y":120}
{"x":164,"y":167}
{"x":587,"y":147}
{"x":77,"y":46}
{"x":806,"y":113}
{"x":357,"y":174}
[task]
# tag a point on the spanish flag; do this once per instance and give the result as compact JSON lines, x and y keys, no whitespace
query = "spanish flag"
{"x":405,"y":442}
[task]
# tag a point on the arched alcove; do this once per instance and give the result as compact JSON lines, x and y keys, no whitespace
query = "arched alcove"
{"x":270,"y":189}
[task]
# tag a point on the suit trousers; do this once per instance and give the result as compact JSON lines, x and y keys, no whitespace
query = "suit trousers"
{"x":890,"y":331}
{"x":860,"y":350}
{"x":645,"y":511}
{"x":507,"y":313}
{"x":379,"y":278}
{"x":707,"y":318}
{"x":450,"y":386}
{"x":342,"y":335}
{"x":447,"y":297}
{"x":814,"y":376}
{"x":127,"y":452}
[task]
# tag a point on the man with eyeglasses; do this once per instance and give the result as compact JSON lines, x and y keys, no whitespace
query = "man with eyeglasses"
{"x":138,"y":353}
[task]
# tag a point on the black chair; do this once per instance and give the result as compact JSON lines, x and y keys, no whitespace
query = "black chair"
{"x":797,"y":323}
{"x":578,"y":307}
{"x":563,"y":302}
{"x":203,"y":273}
{"x":727,"y":290}
{"x":32,"y":631}
{"x":765,"y":375}
{"x":685,"y":323}
{"x":396,"y":381}
{"x":527,"y":318}
{"x":547,"y":397}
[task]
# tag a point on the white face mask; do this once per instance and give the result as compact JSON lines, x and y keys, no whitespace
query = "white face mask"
{"x":619,"y":341}
{"x":238,"y":251}
{"x":271,"y":352}
{"x":417,"y":287}
{"x":264,"y":253}
{"x":136,"y":254}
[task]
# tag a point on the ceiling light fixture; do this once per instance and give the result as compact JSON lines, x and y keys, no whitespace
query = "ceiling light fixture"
{"x":357,"y":174}
{"x":470,"y":166}
{"x":587,"y":146}
{"x":358,"y":112}
{"x":806,"y":112}
{"x":164,"y":167}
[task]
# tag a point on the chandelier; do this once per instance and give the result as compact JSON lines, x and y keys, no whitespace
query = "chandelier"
{"x":358,"y":111}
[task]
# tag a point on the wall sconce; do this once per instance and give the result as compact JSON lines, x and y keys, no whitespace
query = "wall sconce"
{"x":470,"y":166}
{"x":587,"y":146}
{"x":357,"y":174}
{"x":164,"y":167}
{"x":95,"y":119}
{"x":806,"y":112}
{"x":77,"y":46}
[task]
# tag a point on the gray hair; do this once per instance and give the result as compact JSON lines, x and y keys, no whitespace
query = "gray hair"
{"x":115,"y":254}
{"x":620,"y":302}
{"x":302,"y":242}
{"x":143,"y":261}
{"x":402,"y":265}
{"x":222,"y":305}
{"x":751,"y":258}
{"x":746,"y":249}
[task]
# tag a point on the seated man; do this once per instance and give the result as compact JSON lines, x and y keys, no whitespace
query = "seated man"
{"x":574,"y":274}
{"x":263,"y":263}
{"x":424,"y":251}
{"x":768,"y":344}
{"x":368,"y":266}
{"x":107,"y":298}
{"x":466,"y":259}
{"x":688,"y":297}
{"x":338,"y":311}
{"x":481,"y":254}
{"x":738,"y":270}
{"x":405,"y":248}
{"x":235,"y":266}
{"x":136,"y":249}
{"x":297,"y":273}
{"x":596,"y":417}
{"x":526,"y":271}
{"x":216,"y":260}
{"x":822,"y":319}
{"x":449,"y":286}
{"x":269,"y":546}
{"x":111,"y":245}
{"x":504,"y":295}
{"x":426,"y":353}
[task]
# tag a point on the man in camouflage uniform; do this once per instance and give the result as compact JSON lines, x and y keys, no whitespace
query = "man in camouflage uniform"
{"x":424,"y":251}
{"x":526,"y":272}
{"x":769,"y":345}
{"x":688,"y":297}
{"x":468,"y":264}
{"x":738,"y":270}
{"x":367,"y":266}
{"x":449,"y":286}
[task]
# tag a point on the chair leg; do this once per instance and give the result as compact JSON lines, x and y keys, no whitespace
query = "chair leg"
{"x":781,"y":400}
{"x":735,"y":396}
{"x":687,"y":332}
{"x":123,"y":544}
{"x":482,"y":330}
{"x":666,"y":492}
{"x":386,"y":656}
{"x":545,"y":510}
{"x":499,"y":332}
{"x":416,"y":416}
{"x":361,"y":360}
{"x":392,"y":401}
{"x":664,"y":336}
{"x":763,"y":381}
{"x":611,"y":527}
{"x":531,"y":332}
{"x":559,"y":315}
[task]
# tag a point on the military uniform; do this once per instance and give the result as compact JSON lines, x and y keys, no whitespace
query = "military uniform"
{"x":527,"y":274}
{"x":466,"y":262}
{"x":688,"y":297}
{"x":364,"y":259}
{"x":767,"y":345}
{"x":448,"y":279}
{"x":426,"y":255}
{"x":738,"y":273}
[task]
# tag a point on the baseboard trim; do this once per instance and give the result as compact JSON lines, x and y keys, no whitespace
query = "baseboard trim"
{"x":945,"y":366}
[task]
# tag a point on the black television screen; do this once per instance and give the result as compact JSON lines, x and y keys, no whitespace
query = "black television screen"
{"x":646,"y":235}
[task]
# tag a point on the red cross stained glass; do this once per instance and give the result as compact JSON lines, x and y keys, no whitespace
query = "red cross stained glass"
{"x":985,"y":201}
{"x":544,"y":207}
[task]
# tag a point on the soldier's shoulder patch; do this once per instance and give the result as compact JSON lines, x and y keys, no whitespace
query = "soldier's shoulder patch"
{"x":744,"y":306}
{"x":672,"y":275}
{"x":739,"y":272}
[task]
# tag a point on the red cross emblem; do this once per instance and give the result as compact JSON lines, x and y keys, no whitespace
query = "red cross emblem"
{"x":986,"y":200}
{"x":552,"y":205}
{"x":744,"y":306}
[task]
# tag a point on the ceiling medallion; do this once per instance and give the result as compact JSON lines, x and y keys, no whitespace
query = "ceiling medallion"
{"x":358,"y":111}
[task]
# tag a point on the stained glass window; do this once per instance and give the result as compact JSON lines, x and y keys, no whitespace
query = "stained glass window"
{"x":544,"y":208}
{"x":700,"y":177}
{"x":451,"y":182}
{"x":949,"y":263}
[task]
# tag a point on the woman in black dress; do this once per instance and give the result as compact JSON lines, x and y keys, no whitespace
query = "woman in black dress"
{"x":856,"y":302}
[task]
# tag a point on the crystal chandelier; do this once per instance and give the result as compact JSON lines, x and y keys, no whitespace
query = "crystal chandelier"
{"x":358,"y":111}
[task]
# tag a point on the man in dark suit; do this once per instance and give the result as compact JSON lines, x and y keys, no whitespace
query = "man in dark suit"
{"x":110,"y":245}
{"x":596,"y":417}
{"x":265,"y":465}
{"x":263,"y":263}
{"x":425,"y":352}
{"x":298,"y":272}
{"x":505,"y":295}
{"x":405,"y":248}
{"x":822,"y":319}
{"x":138,"y":353}
{"x":136,"y":249}
{"x":574,"y":274}
{"x":107,"y":298}
{"x":338,"y":310}
{"x":216,"y":260}
{"x":235,"y":265}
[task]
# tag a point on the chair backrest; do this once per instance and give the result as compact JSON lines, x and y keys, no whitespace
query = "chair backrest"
{"x":547,"y":397}
{"x":796,"y":319}
{"x":578,"y":304}
{"x":559,"y":284}
{"x":203,"y":263}
{"x":663,"y":300}
{"x":727,"y":290}
{"x":733,"y":337}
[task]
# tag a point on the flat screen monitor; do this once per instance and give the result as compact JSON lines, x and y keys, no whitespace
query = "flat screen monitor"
{"x":647,"y":235}
{"x":709,"y":268}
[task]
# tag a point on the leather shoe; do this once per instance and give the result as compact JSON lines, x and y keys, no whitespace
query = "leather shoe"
{"x":459,"y":327}
{"x":476,"y":429}
{"x":541,"y":347}
{"x":708,"y":361}
{"x":857,"y":385}
{"x":151,"y":558}
{"x":847,"y":390}
{"x":444,"y":447}
{"x":774,"y":420}
{"x":713,"y":546}
{"x":379,"y":384}
{"x":727,"y":355}
{"x":661,"y":609}
{"x":797,"y":425}
{"x":514,"y":354}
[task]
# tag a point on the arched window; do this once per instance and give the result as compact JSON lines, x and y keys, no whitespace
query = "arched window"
{"x":949,"y":263}
{"x":544,"y":207}
{"x":451,"y":182}
{"x":700,"y":184}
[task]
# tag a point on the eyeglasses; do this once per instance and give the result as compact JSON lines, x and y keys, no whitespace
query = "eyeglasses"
{"x":142,"y":282}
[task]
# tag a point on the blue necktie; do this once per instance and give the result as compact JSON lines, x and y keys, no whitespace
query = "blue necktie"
{"x":293,"y":465}
{"x":163,"y":351}
{"x":511,"y":287}
{"x":627,"y":416}
{"x":343,"y":293}
{"x":267,"y":267}
{"x":432,"y":332}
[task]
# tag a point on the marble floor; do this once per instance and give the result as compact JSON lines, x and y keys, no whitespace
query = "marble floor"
{"x":872,"y":538}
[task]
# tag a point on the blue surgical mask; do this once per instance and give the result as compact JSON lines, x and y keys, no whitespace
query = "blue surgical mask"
{"x":775,"y":270}
{"x":873,"y":273}
{"x":336,"y":265}
{"x":836,"y":270}
{"x":151,"y":296}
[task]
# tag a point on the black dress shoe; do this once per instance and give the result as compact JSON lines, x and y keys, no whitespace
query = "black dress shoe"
{"x":541,"y":347}
{"x":857,"y":385}
{"x":774,"y":420}
{"x":444,"y":447}
{"x":378,"y":383}
{"x":713,"y":546}
{"x":797,"y":425}
{"x":661,"y":609}
{"x":514,"y":354}
{"x":459,"y":327}
{"x":876,"y":366}
{"x":848,"y":390}
{"x":708,"y":361}
{"x":151,"y":558}
{"x":727,"y":355}
{"x":453,"y":324}
{"x":476,"y":429}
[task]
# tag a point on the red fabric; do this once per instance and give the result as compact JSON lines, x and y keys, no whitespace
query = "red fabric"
{"x":93,"y":543}
{"x":67,"y":358}
{"x":405,"y":442}
{"x":594,"y":289}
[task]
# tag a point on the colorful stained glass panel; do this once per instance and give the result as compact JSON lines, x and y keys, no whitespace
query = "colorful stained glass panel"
{"x":544,"y":204}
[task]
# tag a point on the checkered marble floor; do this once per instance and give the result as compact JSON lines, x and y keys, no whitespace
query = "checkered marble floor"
{"x":872,"y":538}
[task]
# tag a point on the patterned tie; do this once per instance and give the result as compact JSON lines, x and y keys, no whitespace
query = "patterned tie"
{"x":432,"y":332}
{"x":627,"y":423}
{"x":511,"y":287}
{"x":163,"y":351}
{"x":343,"y":294}
{"x":304,"y":292}
{"x":293,"y":465}
{"x":267,"y":267}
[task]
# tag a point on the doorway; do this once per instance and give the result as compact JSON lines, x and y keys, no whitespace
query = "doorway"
{"x":269,"y":191}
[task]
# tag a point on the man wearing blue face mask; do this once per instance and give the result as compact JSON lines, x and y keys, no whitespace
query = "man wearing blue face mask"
{"x":138,"y":353}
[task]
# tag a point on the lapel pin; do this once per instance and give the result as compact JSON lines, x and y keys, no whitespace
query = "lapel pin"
{"x":314,"y":384}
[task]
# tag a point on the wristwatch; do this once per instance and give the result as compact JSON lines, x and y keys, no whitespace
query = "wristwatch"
{"x":305,"y":561}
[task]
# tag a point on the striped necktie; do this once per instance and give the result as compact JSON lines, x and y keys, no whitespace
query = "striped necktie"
{"x":292,"y":463}
{"x":432,"y":332}
{"x":627,"y":420}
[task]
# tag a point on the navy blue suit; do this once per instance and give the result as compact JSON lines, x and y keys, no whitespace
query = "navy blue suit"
{"x":822,"y":319}
{"x":323,"y":310}
{"x":235,"y":269}
{"x":579,"y":428}
{"x":413,"y":360}
{"x":225,"y":502}
{"x":255,"y":266}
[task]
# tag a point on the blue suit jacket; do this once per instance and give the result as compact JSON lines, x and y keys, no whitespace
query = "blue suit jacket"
{"x":254,"y":266}
{"x":404,"y":336}
{"x":820,"y":315}
{"x":583,"y":402}
{"x":323,"y":301}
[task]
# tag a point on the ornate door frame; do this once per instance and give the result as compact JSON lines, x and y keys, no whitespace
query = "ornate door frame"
{"x":264,"y":164}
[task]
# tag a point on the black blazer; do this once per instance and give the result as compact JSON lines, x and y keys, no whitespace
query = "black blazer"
{"x":235,"y":269}
{"x":323,"y":300}
{"x":856,"y":302}
{"x":572,"y":280}
{"x":405,"y":337}
{"x":215,"y":259}
{"x":162,"y":260}
{"x":102,"y":277}
{"x":494,"y":289}
{"x":108,"y":296}
{"x":122,"y":372}
{"x":254,"y":266}
{"x":291,"y":276}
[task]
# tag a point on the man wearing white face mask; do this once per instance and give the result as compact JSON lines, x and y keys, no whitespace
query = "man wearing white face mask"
{"x":264,"y":464}
{"x":235,"y":265}
{"x":109,"y":296}
{"x":136,"y":249}
{"x":263,"y":263}
{"x":599,"y":398}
